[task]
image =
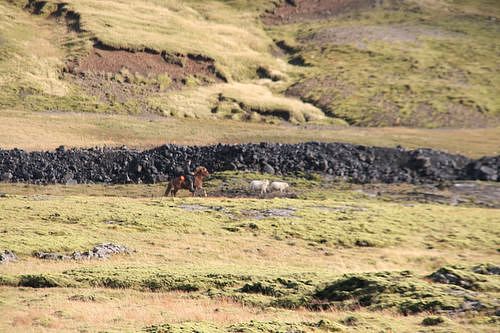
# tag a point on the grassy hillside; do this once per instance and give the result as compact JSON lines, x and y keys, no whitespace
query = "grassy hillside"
{"x":229,"y":264}
{"x":414,"y":63}
{"x":197,"y":33}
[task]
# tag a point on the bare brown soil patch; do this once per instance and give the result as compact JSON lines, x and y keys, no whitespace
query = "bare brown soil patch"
{"x":292,"y":11}
{"x":117,"y":75}
{"x":103,"y":59}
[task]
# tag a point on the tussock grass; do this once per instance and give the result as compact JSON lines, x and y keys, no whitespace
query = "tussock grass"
{"x":236,"y":101}
{"x":33,"y":52}
{"x":262,"y":101}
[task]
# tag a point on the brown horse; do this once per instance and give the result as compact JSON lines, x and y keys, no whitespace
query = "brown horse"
{"x":180,"y":182}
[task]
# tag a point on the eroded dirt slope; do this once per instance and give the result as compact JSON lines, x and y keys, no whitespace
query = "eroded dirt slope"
{"x":122,"y":75}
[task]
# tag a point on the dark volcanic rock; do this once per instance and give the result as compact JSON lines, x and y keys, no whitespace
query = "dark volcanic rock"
{"x":486,"y":168}
{"x":355,"y":163}
{"x":487,"y":269}
{"x":448,"y":277}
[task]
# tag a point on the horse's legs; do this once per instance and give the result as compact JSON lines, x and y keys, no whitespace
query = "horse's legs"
{"x":168,"y":190}
{"x":204,"y":192}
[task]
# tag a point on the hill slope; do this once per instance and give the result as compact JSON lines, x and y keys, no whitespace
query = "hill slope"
{"x":362,"y":62}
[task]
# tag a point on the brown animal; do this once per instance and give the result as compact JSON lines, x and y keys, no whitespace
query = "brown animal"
{"x":180,"y":183}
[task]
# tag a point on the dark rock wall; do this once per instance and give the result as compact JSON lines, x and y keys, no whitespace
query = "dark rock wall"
{"x":354,"y":163}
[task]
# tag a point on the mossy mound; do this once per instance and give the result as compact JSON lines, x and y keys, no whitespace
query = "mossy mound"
{"x":486,"y":269}
{"x":155,"y":279}
{"x":479,"y":278}
{"x":248,"y":327}
{"x":433,"y":321}
{"x":184,"y":328}
{"x":44,"y":281}
{"x":399,"y":290}
{"x":282,"y":288}
{"x":289,"y":292}
{"x":10,"y":281}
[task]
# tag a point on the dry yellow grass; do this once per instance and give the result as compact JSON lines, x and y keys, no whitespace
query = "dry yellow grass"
{"x":40,"y":131}
{"x":97,"y":310}
{"x":29,"y":59}
{"x":128,"y":310}
{"x":198,"y":103}
{"x":233,"y":37}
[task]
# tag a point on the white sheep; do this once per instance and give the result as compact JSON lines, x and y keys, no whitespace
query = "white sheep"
{"x":279,"y":186}
{"x":261,"y":185}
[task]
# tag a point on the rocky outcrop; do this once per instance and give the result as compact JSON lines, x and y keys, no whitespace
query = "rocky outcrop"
{"x":101,"y":251}
{"x":7,"y":256}
{"x":355,"y":163}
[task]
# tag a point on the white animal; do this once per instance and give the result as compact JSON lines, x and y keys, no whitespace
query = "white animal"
{"x":261,"y":185}
{"x":279,"y":186}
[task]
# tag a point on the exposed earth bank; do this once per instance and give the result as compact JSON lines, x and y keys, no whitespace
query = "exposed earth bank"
{"x":355,"y":163}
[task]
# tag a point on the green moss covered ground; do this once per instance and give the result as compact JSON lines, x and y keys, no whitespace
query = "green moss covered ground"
{"x":329,"y":258}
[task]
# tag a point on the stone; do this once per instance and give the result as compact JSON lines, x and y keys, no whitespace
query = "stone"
{"x":266,"y":168}
{"x":101,"y":251}
{"x":354,"y":163}
{"x":7,"y":256}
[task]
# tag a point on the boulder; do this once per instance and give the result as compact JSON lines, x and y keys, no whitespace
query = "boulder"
{"x":7,"y":256}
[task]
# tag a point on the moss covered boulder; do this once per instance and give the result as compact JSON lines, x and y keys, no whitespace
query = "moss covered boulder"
{"x":398,"y":290}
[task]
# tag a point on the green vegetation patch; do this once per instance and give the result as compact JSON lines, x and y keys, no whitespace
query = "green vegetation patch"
{"x":399,"y":65}
{"x":287,"y":291}
{"x":433,"y":321}
{"x":248,"y":327}
{"x":401,"y":291}
{"x":383,"y":290}
{"x":476,"y":278}
{"x":321,"y":215}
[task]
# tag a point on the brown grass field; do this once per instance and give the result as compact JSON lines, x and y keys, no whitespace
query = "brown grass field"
{"x":46,"y":131}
